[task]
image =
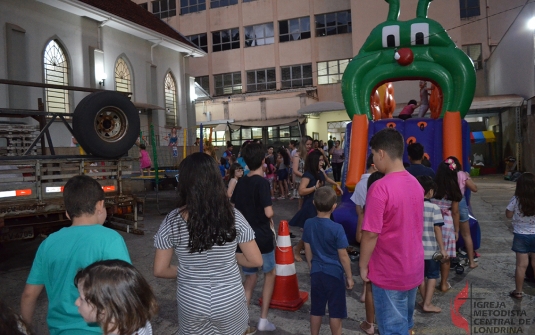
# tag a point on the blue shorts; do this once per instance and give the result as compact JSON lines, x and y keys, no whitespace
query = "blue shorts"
{"x":326,"y":289}
{"x":269,"y":264}
{"x":282,"y":174}
{"x":432,"y":269}
{"x":523,"y":243}
{"x":463,"y":211}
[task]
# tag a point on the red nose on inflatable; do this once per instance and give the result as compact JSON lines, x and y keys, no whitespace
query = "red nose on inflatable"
{"x":404,"y":56}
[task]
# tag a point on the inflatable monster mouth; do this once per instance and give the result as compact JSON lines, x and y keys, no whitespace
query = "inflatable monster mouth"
{"x":418,"y":49}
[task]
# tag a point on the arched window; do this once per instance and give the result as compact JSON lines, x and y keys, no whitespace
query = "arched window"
{"x":123,"y":81}
{"x":57,"y":73}
{"x":170,"y":100}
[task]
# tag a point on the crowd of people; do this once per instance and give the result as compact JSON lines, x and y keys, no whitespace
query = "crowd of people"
{"x":407,"y":215}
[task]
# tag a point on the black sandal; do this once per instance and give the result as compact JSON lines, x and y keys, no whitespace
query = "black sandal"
{"x":516,"y":295}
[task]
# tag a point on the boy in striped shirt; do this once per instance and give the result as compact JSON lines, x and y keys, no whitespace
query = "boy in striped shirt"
{"x":432,"y":241}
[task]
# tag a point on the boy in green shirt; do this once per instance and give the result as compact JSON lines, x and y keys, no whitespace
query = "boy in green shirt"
{"x":63,"y":253}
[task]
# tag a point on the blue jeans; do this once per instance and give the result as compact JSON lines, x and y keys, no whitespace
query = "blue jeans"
{"x":394,"y":310}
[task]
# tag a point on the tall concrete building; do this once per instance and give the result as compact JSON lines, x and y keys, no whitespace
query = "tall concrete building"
{"x":267,"y":59}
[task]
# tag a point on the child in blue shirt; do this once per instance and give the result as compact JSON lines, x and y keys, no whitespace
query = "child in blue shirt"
{"x":325,"y":250}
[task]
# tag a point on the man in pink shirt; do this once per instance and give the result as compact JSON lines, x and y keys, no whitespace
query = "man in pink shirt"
{"x":391,"y":251}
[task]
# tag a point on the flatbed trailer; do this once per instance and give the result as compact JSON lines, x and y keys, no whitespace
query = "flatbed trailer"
{"x":31,"y":193}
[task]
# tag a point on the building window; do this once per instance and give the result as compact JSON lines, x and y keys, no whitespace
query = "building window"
{"x":218,"y":136}
{"x":226,"y":40}
{"x":331,"y":72}
{"x":227,"y":83}
{"x":204,"y":82}
{"x":282,"y":135}
{"x":296,"y":76}
{"x":294,"y":29}
{"x":164,"y":8}
{"x":261,"y":80}
{"x":469,"y":8}
{"x":192,"y":6}
{"x":57,"y":73}
{"x":199,"y":40}
{"x":260,"y":34}
{"x":474,"y":52}
{"x":333,"y":23}
{"x":248,"y":0}
{"x":222,"y":3}
{"x":170,"y":100}
{"x":123,"y":81}
{"x":144,"y":5}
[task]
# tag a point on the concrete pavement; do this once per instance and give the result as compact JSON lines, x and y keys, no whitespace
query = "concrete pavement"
{"x":488,"y":310}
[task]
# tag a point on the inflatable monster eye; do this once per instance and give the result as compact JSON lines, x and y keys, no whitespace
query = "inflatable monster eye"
{"x":390,"y":36}
{"x":391,"y":125}
{"x":422,"y":125}
{"x":420,"y":34}
{"x":411,"y":140}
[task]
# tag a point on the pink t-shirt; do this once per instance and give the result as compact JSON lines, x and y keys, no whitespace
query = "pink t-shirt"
{"x":462,"y":177}
{"x":408,"y":110}
{"x":394,"y":210}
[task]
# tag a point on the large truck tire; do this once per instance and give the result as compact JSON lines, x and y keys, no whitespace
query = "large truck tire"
{"x":106,"y":124}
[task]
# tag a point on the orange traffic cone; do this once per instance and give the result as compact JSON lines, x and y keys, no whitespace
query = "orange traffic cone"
{"x":286,"y":295}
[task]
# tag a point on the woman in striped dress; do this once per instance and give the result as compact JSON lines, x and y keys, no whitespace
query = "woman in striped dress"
{"x":204,"y":232}
{"x":447,"y":197}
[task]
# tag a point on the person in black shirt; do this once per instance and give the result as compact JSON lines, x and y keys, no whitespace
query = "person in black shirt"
{"x":416,"y":155}
{"x":252,"y":197}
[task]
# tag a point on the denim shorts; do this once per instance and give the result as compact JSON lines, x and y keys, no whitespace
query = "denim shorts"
{"x":395,"y":315}
{"x":326,"y":289}
{"x":463,"y":211}
{"x":432,"y":269}
{"x":524,"y":243}
{"x":269,"y":264}
{"x":282,"y":174}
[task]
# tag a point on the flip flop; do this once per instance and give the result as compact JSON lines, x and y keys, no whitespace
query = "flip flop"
{"x":516,"y":295}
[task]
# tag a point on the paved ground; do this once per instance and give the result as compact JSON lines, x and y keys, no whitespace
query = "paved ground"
{"x":490,"y":310}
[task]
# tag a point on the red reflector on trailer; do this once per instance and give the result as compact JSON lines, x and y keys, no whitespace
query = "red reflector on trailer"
{"x":108,"y":188}
{"x":23,"y":192}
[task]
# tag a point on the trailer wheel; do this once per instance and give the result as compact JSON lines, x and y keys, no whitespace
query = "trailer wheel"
{"x":106,"y":124}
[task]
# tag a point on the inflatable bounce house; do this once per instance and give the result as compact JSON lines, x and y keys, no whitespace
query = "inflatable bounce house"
{"x":418,"y":49}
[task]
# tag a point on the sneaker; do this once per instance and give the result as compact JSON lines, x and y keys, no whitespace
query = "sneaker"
{"x":272,"y":198}
{"x":265,"y":326}
{"x":281,"y":198}
{"x":250,"y":330}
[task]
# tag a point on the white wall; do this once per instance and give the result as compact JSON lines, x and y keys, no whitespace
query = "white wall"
{"x":77,"y":34}
{"x":510,"y":67}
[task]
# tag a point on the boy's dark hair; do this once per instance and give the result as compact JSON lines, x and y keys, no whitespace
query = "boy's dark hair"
{"x":270,"y":147}
{"x":427,"y":183}
{"x":223,"y":161}
{"x":415,"y":151}
{"x":229,"y":144}
{"x":369,"y":162}
{"x":294,"y":143}
{"x":123,"y":299}
{"x":324,"y":199}
{"x":374,"y":177}
{"x":412,"y":102}
{"x":80,"y":195}
{"x":390,"y":141}
{"x":525,"y":193}
{"x":253,"y":154}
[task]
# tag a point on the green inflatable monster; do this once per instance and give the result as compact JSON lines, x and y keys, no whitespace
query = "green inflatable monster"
{"x":418,"y":49}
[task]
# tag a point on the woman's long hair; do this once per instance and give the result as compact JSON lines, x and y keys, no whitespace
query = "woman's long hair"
{"x":123,"y":299}
{"x":525,"y":193}
{"x":447,"y":184}
{"x":12,"y":323}
{"x":285,"y":156}
{"x":303,"y":152}
{"x":202,"y":195}
{"x":312,"y":163}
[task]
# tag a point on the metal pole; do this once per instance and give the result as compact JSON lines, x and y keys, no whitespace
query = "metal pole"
{"x":201,"y":139}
